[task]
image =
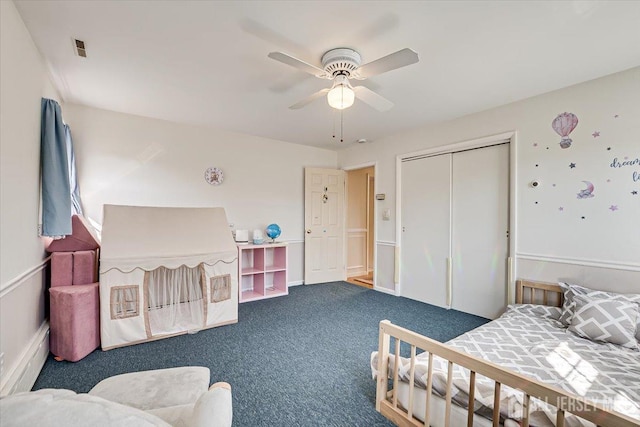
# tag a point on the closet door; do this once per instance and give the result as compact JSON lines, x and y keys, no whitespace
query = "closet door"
{"x":480,"y":244}
{"x":426,"y":188}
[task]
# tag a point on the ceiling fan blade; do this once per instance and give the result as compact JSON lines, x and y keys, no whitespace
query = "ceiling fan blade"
{"x":273,"y":37}
{"x":368,"y":96}
{"x":286,"y":83}
{"x":309,"y":99}
{"x":390,"y":62}
{"x":296,"y":63}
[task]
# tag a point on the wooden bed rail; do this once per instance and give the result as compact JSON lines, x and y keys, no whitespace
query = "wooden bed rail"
{"x":552,"y":294}
{"x":387,"y":401}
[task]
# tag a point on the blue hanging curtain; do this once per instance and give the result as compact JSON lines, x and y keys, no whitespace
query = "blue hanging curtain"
{"x":76,"y":204}
{"x":54,"y":162}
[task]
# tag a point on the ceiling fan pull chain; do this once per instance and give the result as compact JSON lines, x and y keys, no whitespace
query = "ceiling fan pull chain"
{"x":341,"y":126}
{"x":333,"y":117}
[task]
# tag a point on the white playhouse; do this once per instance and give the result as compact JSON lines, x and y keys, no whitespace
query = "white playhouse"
{"x":164,"y":272}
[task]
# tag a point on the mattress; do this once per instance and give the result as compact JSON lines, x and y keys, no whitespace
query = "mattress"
{"x":528,"y":339}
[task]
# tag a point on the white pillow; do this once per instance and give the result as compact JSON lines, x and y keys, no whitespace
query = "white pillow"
{"x":605,"y":320}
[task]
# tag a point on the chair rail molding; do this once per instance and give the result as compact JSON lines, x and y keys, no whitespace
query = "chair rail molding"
{"x":579,"y":261}
{"x":18,"y":280}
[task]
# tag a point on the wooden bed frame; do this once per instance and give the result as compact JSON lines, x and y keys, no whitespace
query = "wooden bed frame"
{"x":387,"y":401}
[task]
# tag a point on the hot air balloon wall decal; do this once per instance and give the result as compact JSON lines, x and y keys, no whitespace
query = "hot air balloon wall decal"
{"x":564,"y":124}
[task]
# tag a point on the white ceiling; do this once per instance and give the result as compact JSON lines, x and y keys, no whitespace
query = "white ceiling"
{"x":206,"y":62}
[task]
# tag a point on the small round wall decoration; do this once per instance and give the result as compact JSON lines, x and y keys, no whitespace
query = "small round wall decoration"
{"x":213,"y":176}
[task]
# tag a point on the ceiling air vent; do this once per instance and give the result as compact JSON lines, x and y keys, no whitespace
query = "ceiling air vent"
{"x":80,"y":49}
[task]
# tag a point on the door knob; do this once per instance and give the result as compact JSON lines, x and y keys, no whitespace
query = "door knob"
{"x":308,"y":231}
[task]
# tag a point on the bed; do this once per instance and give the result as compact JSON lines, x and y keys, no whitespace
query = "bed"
{"x":521,"y":369}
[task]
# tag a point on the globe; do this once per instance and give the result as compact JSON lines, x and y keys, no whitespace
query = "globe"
{"x":273,"y":231}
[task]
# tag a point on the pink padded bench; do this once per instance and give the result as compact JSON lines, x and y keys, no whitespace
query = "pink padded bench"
{"x":74,"y":321}
{"x":74,"y":294}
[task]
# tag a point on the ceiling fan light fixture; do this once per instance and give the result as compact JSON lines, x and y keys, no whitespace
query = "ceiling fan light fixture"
{"x":341,"y":95}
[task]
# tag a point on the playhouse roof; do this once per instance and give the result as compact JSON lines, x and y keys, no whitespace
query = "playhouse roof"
{"x":150,"y":237}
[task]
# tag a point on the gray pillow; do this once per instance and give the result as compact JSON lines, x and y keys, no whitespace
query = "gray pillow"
{"x":568,"y":306}
{"x":605,"y":320}
{"x":571,"y":290}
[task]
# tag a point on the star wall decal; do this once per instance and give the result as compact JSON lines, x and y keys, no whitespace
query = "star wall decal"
{"x":535,"y":144}
{"x":608,"y":148}
{"x":613,"y":208}
{"x":583,"y":217}
{"x":561,"y":209}
{"x":572,"y":165}
{"x":634,"y":192}
{"x":616,"y":116}
{"x":595,"y":134}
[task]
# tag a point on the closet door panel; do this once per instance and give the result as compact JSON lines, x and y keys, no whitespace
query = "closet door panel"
{"x":480,"y":201}
{"x":426,"y":187}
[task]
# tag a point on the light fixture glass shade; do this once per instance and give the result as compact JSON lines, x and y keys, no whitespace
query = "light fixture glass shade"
{"x":341,"y":96}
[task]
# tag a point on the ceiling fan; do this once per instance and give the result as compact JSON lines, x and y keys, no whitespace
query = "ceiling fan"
{"x":343,"y":64}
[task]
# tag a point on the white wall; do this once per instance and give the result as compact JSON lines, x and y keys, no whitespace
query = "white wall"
{"x":126,"y":159}
{"x":606,"y":239}
{"x":23,"y":81}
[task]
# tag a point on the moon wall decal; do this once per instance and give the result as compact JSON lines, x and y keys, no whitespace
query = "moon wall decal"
{"x":587,"y":192}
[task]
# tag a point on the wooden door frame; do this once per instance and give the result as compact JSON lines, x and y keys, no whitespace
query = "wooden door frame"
{"x":371,"y":219}
{"x":375,"y":216}
{"x":511,"y":138}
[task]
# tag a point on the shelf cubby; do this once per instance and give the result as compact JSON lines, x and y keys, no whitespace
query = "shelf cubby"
{"x":263,"y":271}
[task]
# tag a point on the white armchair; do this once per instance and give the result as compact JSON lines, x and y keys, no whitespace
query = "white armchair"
{"x":180,"y":396}
{"x":166,"y":397}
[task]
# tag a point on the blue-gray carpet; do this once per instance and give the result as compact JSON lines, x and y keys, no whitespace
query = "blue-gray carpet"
{"x":297,"y":360}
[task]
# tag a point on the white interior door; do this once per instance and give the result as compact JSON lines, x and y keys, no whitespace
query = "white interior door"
{"x":426,"y":190}
{"x":324,"y":225}
{"x":480,"y":241}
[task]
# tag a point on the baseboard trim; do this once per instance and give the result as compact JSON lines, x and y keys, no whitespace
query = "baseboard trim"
{"x":579,"y":261}
{"x":24,"y":376}
{"x":385,"y":243}
{"x":296,"y":283}
{"x":16,"y":281}
{"x":385,"y":290}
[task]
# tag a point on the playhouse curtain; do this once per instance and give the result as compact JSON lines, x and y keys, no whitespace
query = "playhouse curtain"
{"x":56,"y":204}
{"x":175,"y":299}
